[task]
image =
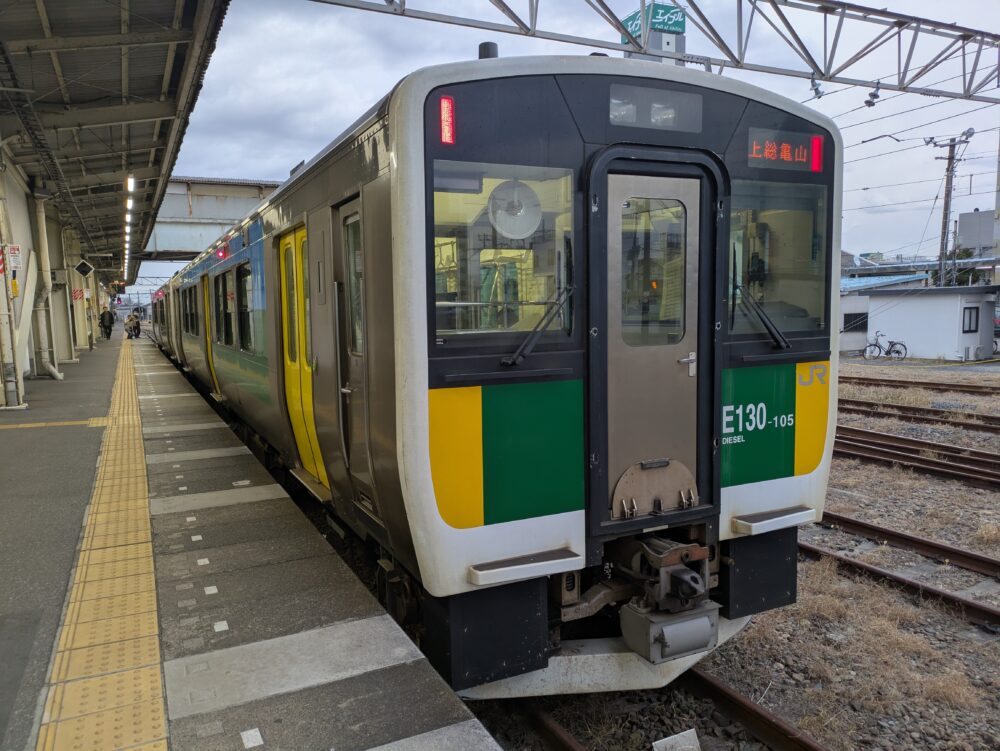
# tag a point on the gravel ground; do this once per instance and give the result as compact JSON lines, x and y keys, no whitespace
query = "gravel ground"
{"x":945,"y":510}
{"x":620,"y":721}
{"x":858,"y":666}
{"x":956,"y":401}
{"x":948,"y":434}
{"x":907,"y":563}
{"x":987,"y":374}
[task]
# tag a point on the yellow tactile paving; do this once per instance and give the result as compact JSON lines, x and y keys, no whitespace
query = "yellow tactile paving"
{"x":83,"y":611}
{"x":105,"y":684}
{"x":114,"y":569}
{"x":123,"y":585}
{"x":116,"y":728}
{"x":106,"y":658}
{"x":93,"y":422}
{"x":87,"y":695}
{"x":108,"y":555}
{"x":76,"y":635}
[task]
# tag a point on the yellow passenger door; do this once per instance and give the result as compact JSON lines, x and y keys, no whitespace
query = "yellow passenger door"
{"x":297,"y":349}
{"x":208,"y":335}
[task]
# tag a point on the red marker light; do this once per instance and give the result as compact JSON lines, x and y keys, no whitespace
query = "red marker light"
{"x":447,"y":120}
{"x":817,"y":154}
{"x":220,"y":253}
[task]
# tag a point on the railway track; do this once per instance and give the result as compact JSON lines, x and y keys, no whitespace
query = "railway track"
{"x":980,"y":468}
{"x":981,"y":564}
{"x":980,"y":613}
{"x":759,"y":722}
{"x":927,"y":415}
{"x":963,"y":388}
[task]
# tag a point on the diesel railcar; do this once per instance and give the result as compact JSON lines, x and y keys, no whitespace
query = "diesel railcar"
{"x":555,"y":334}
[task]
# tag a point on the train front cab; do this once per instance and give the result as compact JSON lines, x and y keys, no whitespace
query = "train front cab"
{"x":629,"y":380}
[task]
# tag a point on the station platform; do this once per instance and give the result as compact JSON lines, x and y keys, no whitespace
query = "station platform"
{"x":166,"y":593}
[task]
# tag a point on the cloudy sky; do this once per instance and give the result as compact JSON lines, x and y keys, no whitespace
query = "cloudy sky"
{"x":289,"y":75}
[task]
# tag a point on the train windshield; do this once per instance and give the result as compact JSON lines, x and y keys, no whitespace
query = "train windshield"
{"x":778,"y":253}
{"x":502,"y":246}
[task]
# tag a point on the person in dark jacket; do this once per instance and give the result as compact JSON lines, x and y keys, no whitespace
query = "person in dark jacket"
{"x":107,"y":321}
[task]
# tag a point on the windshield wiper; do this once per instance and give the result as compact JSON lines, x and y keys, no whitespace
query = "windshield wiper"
{"x":529,"y":342}
{"x":772,"y":329}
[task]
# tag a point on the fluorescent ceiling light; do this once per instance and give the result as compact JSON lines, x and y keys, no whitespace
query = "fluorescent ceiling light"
{"x":128,"y":203}
{"x":130,"y":183}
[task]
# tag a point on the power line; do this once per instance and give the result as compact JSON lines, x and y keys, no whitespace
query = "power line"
{"x":913,"y":182}
{"x":922,"y":200}
{"x":895,"y":114}
{"x":884,"y":153}
{"x":931,"y":122}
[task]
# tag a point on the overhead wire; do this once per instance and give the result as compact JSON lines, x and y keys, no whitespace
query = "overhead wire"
{"x":931,"y":122}
{"x":919,"y":200}
{"x":912,"y":182}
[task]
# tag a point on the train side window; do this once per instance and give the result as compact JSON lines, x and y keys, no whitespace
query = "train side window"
{"x":291,"y":322}
{"x":228,"y":307}
{"x":306,"y":321}
{"x":653,"y":261}
{"x":355,"y":280}
{"x":244,"y":306}
{"x":219,"y":312}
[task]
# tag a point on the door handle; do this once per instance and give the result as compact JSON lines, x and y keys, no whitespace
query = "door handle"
{"x":346,"y":390}
{"x":692,"y":362}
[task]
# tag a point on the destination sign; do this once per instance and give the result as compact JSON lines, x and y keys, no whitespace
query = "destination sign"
{"x":782,"y":149}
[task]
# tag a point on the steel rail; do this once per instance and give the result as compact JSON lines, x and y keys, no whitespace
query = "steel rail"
{"x":962,"y":388}
{"x":759,"y":722}
{"x":552,"y":734}
{"x":971,"y":610}
{"x":970,"y":457}
{"x":928,"y":415}
{"x":968,"y":465}
{"x":981,"y":564}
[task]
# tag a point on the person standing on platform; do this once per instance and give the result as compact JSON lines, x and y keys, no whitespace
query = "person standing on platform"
{"x":107,"y":322}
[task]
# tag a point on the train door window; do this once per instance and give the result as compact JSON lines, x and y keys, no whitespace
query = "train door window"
{"x":355,"y":280}
{"x":244,"y":305}
{"x":653,"y":270}
{"x":228,"y":307}
{"x":970,"y":320}
{"x":220,"y":297}
{"x":306,"y":320}
{"x":186,"y":311}
{"x":292,"y":336}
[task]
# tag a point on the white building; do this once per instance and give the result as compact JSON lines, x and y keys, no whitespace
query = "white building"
{"x":979,"y":231}
{"x":936,"y":323}
{"x":854,"y":293}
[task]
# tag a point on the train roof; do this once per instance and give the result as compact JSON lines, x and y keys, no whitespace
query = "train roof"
{"x":412,"y":90}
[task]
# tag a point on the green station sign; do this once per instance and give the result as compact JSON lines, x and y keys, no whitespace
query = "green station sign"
{"x":662,"y":17}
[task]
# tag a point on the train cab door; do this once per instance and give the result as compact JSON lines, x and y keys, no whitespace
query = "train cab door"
{"x":207,"y":318}
{"x":651,"y":355}
{"x":355,"y":383}
{"x":298,"y":360}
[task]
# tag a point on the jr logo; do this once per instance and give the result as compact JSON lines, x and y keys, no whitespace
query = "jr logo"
{"x":816,"y":372}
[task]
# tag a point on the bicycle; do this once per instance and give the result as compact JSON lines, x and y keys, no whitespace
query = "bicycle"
{"x":895,"y":350}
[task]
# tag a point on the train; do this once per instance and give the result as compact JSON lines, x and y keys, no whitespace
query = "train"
{"x":553,"y":334}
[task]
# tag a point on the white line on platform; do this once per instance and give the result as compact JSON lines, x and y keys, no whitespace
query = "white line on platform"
{"x":194,"y":455}
{"x":238,"y":675}
{"x":213,"y":498}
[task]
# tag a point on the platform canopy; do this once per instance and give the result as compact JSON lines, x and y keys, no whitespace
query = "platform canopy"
{"x":95,"y":96}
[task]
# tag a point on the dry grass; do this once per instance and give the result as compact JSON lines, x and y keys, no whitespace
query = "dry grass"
{"x":952,"y":689}
{"x":918,"y":372}
{"x":987,"y":533}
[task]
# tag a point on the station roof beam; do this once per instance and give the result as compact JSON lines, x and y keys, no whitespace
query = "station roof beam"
{"x":92,"y":93}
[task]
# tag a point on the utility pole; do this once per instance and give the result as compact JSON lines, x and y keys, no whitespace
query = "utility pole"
{"x":949,"y":176}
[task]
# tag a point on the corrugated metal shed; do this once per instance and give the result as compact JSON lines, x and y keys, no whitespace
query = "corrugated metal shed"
{"x":92,"y":92}
{"x":856,"y":284}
